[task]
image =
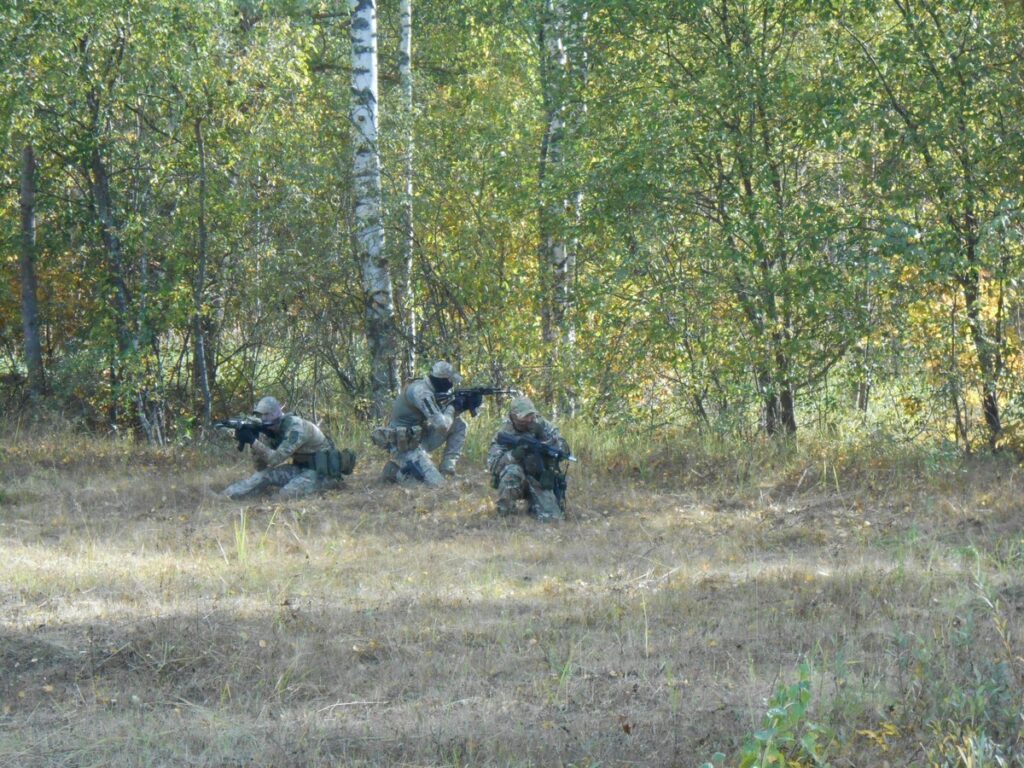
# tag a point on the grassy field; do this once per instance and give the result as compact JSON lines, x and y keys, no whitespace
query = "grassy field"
{"x":694,"y":607}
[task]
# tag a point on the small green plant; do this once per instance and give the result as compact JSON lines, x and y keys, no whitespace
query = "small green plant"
{"x":787,"y":738}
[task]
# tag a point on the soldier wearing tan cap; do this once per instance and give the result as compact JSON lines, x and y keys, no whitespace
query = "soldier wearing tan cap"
{"x":284,"y":454}
{"x":518,"y":473}
{"x":418,"y":425}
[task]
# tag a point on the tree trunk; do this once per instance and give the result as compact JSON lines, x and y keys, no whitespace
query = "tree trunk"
{"x":557,"y":210}
{"x":369,"y":230}
{"x":29,"y":300}
{"x":989,"y":361}
{"x":406,"y":293}
{"x":99,"y":186}
{"x":198,"y":331}
{"x":770,"y":402}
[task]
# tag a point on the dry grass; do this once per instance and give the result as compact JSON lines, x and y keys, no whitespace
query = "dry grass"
{"x":148,"y":622}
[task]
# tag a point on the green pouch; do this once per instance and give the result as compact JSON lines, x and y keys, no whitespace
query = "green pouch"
{"x":334,"y":463}
{"x":322,"y":463}
{"x":346,"y":461}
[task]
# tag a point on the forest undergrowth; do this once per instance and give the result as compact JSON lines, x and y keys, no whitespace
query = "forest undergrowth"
{"x":733,"y":603}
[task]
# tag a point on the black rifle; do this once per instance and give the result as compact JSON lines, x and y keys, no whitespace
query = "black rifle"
{"x":545,"y":451}
{"x":470,"y":398}
{"x":531,"y":443}
{"x":246,"y":430}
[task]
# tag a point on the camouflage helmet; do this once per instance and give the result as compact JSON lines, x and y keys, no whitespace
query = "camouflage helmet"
{"x":444,"y":370}
{"x":269,"y":410}
{"x":521,"y":408}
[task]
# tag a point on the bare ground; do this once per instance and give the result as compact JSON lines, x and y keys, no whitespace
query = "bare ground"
{"x":146,"y":621}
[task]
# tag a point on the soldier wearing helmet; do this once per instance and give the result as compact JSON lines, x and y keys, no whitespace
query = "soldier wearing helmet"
{"x":520,"y":474}
{"x":419,"y":425}
{"x":283,"y":455}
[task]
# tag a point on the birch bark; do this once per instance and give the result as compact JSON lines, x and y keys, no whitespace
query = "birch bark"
{"x":369,"y":230}
{"x":199,"y":288}
{"x":406,"y":293}
{"x":561,"y":59}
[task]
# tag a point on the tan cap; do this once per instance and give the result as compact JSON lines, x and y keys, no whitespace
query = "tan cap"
{"x":444,"y":370}
{"x":269,"y":410}
{"x":522,"y":407}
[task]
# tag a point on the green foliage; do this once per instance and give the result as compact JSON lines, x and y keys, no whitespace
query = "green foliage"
{"x":783,"y":216}
{"x":787,"y":738}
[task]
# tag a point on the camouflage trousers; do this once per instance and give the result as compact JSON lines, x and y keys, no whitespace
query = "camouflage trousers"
{"x":293,"y":481}
{"x":417,"y":466}
{"x":514,"y":484}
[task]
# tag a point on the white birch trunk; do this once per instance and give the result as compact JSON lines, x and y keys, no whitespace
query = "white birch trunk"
{"x":407,"y":297}
{"x":559,"y":207}
{"x":199,"y":287}
{"x":369,"y":229}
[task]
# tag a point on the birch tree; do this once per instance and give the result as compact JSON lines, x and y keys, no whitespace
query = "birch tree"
{"x":559,"y":206}
{"x":369,"y":229}
{"x":199,"y":285}
{"x":406,"y":298}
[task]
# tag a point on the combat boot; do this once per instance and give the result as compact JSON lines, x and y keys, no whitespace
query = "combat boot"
{"x":506,"y":507}
{"x":447,"y":467}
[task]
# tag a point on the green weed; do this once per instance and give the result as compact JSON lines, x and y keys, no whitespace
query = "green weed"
{"x":787,"y":737}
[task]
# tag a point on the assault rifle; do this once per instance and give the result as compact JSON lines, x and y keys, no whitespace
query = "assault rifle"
{"x":531,"y":443}
{"x":470,"y":398}
{"x":246,"y":430}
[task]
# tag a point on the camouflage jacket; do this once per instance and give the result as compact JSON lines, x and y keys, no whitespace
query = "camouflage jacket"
{"x":417,"y":407}
{"x":295,"y":439}
{"x":498,"y":456}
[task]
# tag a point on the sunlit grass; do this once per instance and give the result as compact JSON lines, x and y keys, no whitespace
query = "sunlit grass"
{"x":378,"y":625}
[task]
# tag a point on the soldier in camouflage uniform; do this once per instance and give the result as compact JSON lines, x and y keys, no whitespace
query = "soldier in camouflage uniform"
{"x":521,"y":474}
{"x":419,"y":425}
{"x":292,"y":438}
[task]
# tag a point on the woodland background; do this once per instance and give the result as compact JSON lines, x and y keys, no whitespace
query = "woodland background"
{"x":738,"y":216}
{"x":762,"y":259}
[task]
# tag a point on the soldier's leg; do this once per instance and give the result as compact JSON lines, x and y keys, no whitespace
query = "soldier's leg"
{"x":416,"y":466}
{"x":267,"y":478}
{"x":254,"y":483}
{"x":543,"y":503}
{"x":511,"y":488}
{"x":301,"y":483}
{"x":454,"y":440}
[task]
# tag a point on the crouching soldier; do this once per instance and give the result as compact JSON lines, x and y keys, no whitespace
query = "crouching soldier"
{"x":419,"y":425}
{"x":524,"y":461}
{"x":315,"y":464}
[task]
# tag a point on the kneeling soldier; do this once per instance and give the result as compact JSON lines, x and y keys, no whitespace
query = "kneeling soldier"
{"x":419,"y":425}
{"x":524,"y":463}
{"x":315,"y":463}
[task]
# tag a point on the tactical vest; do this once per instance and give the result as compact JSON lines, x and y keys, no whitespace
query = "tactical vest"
{"x":404,"y":413}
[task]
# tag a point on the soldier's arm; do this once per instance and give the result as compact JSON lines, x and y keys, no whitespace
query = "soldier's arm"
{"x":284,"y":451}
{"x":498,"y":456}
{"x":260,"y":452}
{"x":423,"y":398}
{"x":550,"y":434}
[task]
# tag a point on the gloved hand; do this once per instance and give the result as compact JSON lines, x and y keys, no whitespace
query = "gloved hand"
{"x":246,"y":435}
{"x":468,"y":401}
{"x":519,"y":453}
